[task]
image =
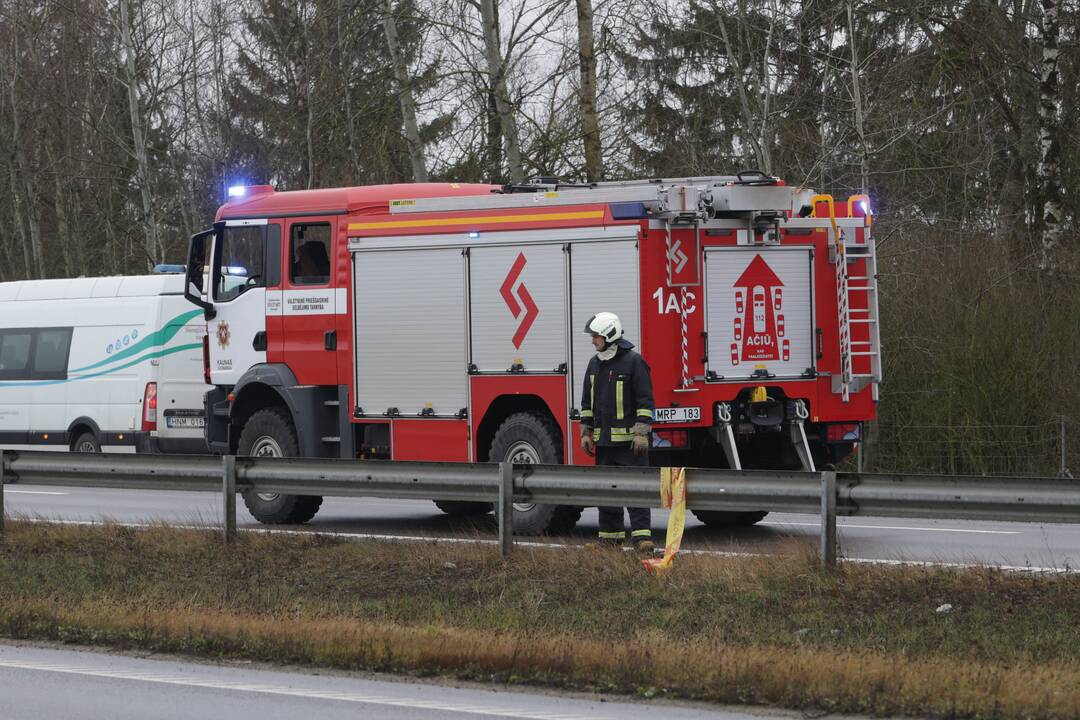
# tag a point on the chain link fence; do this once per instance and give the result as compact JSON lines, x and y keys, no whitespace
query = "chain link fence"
{"x":1051,"y":448}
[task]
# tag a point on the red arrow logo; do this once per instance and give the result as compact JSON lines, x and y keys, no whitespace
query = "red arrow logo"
{"x":506,"y":290}
{"x":758,"y":300}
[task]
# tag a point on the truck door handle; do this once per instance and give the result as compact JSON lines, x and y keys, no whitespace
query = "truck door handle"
{"x":259,"y":343}
{"x":330,"y":340}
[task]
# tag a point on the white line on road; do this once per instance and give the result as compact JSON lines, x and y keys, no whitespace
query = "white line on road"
{"x":436,"y":540}
{"x":135,"y":675}
{"x":841,"y":525}
{"x":34,"y":492}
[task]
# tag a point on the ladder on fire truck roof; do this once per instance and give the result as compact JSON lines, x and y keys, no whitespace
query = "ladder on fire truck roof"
{"x":747,"y":192}
{"x":844,"y":255}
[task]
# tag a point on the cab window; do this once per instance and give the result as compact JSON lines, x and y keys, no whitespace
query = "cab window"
{"x":309,"y":254}
{"x":240,"y":261}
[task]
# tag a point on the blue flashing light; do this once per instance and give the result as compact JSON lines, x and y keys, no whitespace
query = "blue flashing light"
{"x":865,"y":207}
{"x":237,"y":191}
{"x":473,"y":235}
{"x":628,"y":211}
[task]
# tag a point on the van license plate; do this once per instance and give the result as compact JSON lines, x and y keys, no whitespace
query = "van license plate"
{"x":185,"y":422}
{"x":679,"y":414}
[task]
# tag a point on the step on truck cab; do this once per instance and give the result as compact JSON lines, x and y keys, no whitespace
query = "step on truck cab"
{"x":442,"y":322}
{"x":108,"y":364}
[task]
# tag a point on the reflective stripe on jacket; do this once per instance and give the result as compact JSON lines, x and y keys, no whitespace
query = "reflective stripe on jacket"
{"x":617,"y":394}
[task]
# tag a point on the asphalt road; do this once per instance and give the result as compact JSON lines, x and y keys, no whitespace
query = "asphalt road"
{"x":876,"y":539}
{"x":46,"y":683}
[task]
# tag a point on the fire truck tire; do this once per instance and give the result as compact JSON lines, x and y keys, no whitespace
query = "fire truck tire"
{"x":463,"y":508}
{"x":721,"y":518}
{"x":527,"y":438}
{"x":270,"y":433}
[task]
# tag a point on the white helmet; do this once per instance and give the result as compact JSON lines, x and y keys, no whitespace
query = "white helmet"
{"x":605,"y":324}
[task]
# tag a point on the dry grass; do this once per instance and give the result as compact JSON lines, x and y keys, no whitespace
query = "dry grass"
{"x":776,"y":631}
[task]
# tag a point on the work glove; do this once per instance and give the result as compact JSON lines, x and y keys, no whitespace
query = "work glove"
{"x":640,"y":442}
{"x":587,"y":443}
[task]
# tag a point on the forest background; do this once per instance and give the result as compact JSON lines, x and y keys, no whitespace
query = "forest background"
{"x":123,"y":122}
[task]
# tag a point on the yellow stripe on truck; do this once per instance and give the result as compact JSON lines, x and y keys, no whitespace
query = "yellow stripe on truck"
{"x":472,"y":221}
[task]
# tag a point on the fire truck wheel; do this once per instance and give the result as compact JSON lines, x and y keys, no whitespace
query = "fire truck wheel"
{"x":463,"y":508}
{"x":526,"y":438}
{"x":269,"y":433}
{"x":720,"y":518}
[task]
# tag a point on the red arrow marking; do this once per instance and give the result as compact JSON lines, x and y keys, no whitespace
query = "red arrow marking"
{"x":508,"y":285}
{"x":531,"y":313}
{"x":758,"y":272}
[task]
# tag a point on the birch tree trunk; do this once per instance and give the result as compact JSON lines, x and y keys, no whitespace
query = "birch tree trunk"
{"x":1049,"y":134}
{"x":497,"y":71}
{"x":153,"y":246}
{"x":590,"y":125}
{"x":309,"y":94}
{"x":346,"y":83}
{"x":405,"y":96}
{"x":22,"y":180}
{"x":20,"y":227}
{"x":856,"y":94}
{"x":71,"y":269}
{"x":735,"y":58}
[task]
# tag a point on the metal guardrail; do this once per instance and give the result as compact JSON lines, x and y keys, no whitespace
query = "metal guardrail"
{"x":827,"y":493}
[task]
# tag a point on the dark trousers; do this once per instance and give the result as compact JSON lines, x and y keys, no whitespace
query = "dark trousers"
{"x":611,"y":518}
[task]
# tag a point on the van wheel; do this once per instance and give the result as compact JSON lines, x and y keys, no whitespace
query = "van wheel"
{"x":86,"y":443}
{"x":463,"y":508}
{"x":270,"y":433}
{"x":529,"y":439}
{"x":724,"y":518}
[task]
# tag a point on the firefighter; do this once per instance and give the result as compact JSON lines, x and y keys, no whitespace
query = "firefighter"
{"x":616,"y":419}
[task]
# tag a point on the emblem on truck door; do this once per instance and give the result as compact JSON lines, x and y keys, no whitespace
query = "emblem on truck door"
{"x":507,"y":292}
{"x":223,"y":335}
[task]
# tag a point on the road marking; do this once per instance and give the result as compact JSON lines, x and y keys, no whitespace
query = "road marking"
{"x":267,"y":689}
{"x":840,"y":525}
{"x":34,"y":492}
{"x":435,"y":540}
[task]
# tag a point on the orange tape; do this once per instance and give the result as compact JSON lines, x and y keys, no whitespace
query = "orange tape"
{"x":672,"y":495}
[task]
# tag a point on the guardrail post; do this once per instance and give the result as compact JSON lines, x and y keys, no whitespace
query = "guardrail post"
{"x":228,"y":492}
{"x":3,"y":477}
{"x":828,"y":518}
{"x":504,"y":509}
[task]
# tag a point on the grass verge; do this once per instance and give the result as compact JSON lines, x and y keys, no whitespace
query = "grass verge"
{"x":774,"y":631}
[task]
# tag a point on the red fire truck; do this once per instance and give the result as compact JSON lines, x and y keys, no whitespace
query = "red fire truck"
{"x":444,"y":322}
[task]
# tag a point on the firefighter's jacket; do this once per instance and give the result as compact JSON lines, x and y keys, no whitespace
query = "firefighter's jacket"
{"x":617,"y":394}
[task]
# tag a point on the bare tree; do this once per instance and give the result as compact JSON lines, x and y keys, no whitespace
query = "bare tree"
{"x":496,"y":66}
{"x":590,"y":125}
{"x":153,"y":246}
{"x":24,"y":188}
{"x":856,"y":95}
{"x":405,"y":96}
{"x":1049,"y":134}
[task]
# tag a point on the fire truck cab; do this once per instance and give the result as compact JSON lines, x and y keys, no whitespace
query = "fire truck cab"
{"x":443,"y":322}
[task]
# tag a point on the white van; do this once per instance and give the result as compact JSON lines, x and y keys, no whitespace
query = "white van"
{"x":109,"y":364}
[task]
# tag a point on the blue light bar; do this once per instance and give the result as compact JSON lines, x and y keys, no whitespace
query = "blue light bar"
{"x":237,"y":191}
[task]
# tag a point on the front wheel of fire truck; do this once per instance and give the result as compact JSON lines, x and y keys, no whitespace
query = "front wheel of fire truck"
{"x":722,"y":518}
{"x":531,"y":439}
{"x":463,"y":508}
{"x":270,"y":433}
